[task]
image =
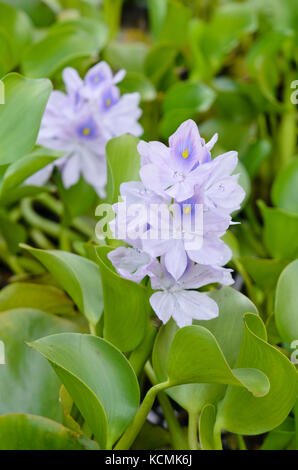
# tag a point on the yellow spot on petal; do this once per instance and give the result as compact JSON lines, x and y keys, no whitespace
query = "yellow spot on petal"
{"x":185,"y":153}
{"x":187,"y":210}
{"x":86,"y":131}
{"x":108,"y":102}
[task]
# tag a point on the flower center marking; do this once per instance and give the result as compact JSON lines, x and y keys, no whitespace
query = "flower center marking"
{"x":86,"y":131}
{"x":108,"y":102}
{"x":185,"y":153}
{"x":187,"y":210}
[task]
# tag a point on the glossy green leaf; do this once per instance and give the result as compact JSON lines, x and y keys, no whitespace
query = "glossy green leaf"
{"x":99,"y":379}
{"x":280,"y":232}
{"x":126,"y":306}
{"x":227,"y":329}
{"x":26,"y":374}
{"x":123,"y":164}
{"x":13,"y":232}
{"x":38,"y":296}
{"x":136,"y":82}
{"x":240,"y":412}
{"x":284,"y":191}
{"x":65,"y":42}
{"x":26,"y":98}
{"x":78,"y":276}
{"x":195,"y":356}
{"x":286,"y":301}
{"x":30,"y":432}
{"x":26,"y":166}
{"x":159,"y":60}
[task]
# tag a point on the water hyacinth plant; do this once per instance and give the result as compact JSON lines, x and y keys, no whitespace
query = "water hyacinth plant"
{"x":149,"y":221}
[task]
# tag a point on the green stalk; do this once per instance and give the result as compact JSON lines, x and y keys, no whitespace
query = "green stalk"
{"x":177,"y":436}
{"x":287,"y":132}
{"x":133,"y":430}
{"x":140,"y":355}
{"x":193,"y":431}
{"x":112,"y":13}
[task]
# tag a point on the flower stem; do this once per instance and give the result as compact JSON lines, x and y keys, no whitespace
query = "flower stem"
{"x":133,"y":430}
{"x":193,"y":431}
{"x":176,"y":433}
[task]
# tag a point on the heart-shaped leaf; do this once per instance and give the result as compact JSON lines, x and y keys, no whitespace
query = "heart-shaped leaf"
{"x":228,"y":330}
{"x":26,"y":374}
{"x":26,"y":98}
{"x":240,"y":412}
{"x":286,"y":301}
{"x":126,"y":306}
{"x":30,"y":432}
{"x":78,"y":276}
{"x":99,"y":379}
{"x":195,"y":356}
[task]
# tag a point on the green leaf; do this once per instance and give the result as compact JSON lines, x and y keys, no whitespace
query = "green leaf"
{"x":123,"y":164}
{"x":255,"y":155}
{"x":195,"y":356}
{"x":26,"y":374}
{"x":284,"y":191}
{"x":157,"y":10}
{"x":242,"y":413}
{"x":206,"y":427}
{"x":26,"y":98}
{"x":126,"y":55}
{"x":175,"y":25}
{"x":286,"y":301}
{"x":37,"y":296}
{"x":280,"y":437}
{"x":280,"y":232}
{"x":264,"y":272}
{"x":99,"y":379}
{"x":15,"y":35}
{"x":26,"y":166}
{"x":227,"y":329}
{"x":65,"y":42}
{"x":30,"y":432}
{"x":78,"y":276}
{"x":195,"y":96}
{"x":136,"y":82}
{"x":126,"y":306}
{"x":13,"y":232}
{"x":158,"y":61}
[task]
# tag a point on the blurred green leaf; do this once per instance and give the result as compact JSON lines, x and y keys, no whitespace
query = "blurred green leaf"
{"x":126,"y":55}
{"x":280,"y":232}
{"x":255,"y":155}
{"x":26,"y":374}
{"x":280,"y":437}
{"x":64,"y":42}
{"x":26,"y":98}
{"x":99,"y":379}
{"x":264,"y":272}
{"x":26,"y":166}
{"x":286,"y":301}
{"x":78,"y":276}
{"x":284,"y":191}
{"x":136,"y":82}
{"x":15,"y":35}
{"x":175,"y":25}
{"x":195,"y":96}
{"x":30,"y":432}
{"x":159,"y":59}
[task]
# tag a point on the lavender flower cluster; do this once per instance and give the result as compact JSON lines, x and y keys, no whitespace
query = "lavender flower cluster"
{"x":181,"y":175}
{"x":82,"y":120}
